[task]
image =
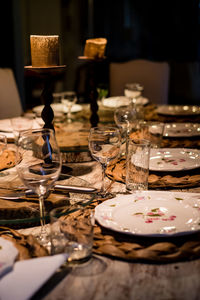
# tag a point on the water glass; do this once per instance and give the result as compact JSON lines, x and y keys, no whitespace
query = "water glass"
{"x":137,"y":165}
{"x":125,"y":118}
{"x":72,"y":232}
{"x":152,"y":131}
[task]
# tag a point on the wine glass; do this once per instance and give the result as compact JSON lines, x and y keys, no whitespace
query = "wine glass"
{"x":133,"y":91}
{"x":20,"y":124}
{"x":104,"y":145}
{"x":68,"y":99}
{"x":125,"y":118}
{"x":39,"y":165}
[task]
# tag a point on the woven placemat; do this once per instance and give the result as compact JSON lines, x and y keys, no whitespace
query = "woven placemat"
{"x":118,"y":246}
{"x":27,"y":245}
{"x":144,"y":249}
{"x":117,"y":172}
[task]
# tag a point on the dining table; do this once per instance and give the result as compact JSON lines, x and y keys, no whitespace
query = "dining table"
{"x":121,"y":266}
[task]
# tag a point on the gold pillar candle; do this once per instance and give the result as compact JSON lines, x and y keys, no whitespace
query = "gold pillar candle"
{"x":44,"y":50}
{"x":95,"y":48}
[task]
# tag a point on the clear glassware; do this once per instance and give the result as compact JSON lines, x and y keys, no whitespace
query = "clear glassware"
{"x":39,"y":166}
{"x":104,"y":145}
{"x":57,"y":97}
{"x":3,"y":143}
{"x":68,"y":99}
{"x":133,"y":91}
{"x":125,"y":118}
{"x":21,"y":124}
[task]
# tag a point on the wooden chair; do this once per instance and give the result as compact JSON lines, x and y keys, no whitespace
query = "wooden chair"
{"x":154,"y":76}
{"x":10,"y":103}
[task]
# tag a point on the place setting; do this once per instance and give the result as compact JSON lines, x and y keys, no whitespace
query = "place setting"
{"x":149,"y":225}
{"x":172,"y":167}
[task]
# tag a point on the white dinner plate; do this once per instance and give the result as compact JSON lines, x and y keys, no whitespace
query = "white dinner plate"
{"x":6,"y":129}
{"x":178,"y":110}
{"x":181,"y":129}
{"x":8,"y":254}
{"x":5,"y":125}
{"x":58,"y":108}
{"x":115,"y":102}
{"x":151,"y":213}
{"x":174,"y":159}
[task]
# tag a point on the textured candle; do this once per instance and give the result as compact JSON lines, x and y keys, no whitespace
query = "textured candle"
{"x":95,"y":48}
{"x":44,"y":50}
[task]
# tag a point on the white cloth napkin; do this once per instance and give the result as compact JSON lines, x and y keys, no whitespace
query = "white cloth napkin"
{"x":28,"y":276}
{"x":8,"y":254}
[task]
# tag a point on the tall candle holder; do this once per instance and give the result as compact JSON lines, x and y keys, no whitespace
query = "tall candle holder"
{"x":93,"y":64}
{"x":47,"y":75}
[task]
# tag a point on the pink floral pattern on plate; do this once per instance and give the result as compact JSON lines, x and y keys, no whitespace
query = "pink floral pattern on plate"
{"x":155,"y":214}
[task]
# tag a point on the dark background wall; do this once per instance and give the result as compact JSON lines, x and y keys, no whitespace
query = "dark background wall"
{"x":165,"y":30}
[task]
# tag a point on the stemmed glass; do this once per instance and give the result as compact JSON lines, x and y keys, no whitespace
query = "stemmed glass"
{"x":125,"y":118}
{"x":133,"y":91}
{"x":39,"y":165}
{"x":104,"y":145}
{"x":20,"y":124}
{"x":68,"y":99}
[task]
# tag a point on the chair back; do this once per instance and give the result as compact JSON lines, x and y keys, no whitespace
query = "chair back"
{"x":10,"y":103}
{"x":154,"y":76}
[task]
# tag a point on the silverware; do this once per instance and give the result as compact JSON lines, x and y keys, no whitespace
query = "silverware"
{"x":18,"y":195}
{"x":58,"y":188}
{"x":75,"y":189}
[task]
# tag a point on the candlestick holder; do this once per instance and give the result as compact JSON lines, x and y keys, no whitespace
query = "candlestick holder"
{"x":93,"y":65}
{"x":47,"y":75}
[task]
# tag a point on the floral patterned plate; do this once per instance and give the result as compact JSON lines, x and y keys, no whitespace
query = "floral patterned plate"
{"x":151,"y":213}
{"x":174,"y":159}
{"x":181,"y":129}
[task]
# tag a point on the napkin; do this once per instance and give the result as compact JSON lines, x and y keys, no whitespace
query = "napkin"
{"x":8,"y":254}
{"x":28,"y":276}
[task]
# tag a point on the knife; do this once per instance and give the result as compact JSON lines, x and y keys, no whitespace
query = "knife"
{"x":58,"y":187}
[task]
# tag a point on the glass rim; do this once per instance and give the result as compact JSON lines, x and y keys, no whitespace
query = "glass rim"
{"x":35,"y":131}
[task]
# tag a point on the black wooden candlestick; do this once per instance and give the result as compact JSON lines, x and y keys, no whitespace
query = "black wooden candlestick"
{"x":93,"y":66}
{"x":47,"y":75}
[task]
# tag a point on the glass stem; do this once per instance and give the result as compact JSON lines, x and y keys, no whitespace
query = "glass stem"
{"x":103,"y":191}
{"x":42,"y":214}
{"x":69,"y":115}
